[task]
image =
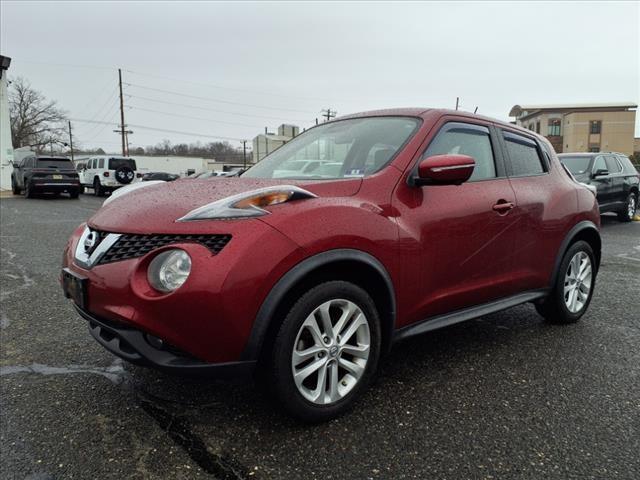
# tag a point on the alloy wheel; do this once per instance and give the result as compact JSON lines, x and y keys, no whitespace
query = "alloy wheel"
{"x":577,"y":282}
{"x":331,"y":351}
{"x":631,"y":206}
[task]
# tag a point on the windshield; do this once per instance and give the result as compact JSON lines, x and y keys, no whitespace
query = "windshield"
{"x":55,"y":163}
{"x":576,"y":165}
{"x":342,"y":149}
{"x":115,"y":163}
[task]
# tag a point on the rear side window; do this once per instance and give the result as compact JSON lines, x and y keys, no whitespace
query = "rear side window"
{"x":612,"y":164}
{"x":524,"y":155}
{"x":466,"y":139}
{"x":55,"y":163}
{"x":101,"y":163}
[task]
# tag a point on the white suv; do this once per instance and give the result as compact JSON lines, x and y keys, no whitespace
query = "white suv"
{"x":106,"y":173}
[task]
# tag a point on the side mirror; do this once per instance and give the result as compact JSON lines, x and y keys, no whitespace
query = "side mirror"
{"x":444,"y":170}
{"x":601,"y":172}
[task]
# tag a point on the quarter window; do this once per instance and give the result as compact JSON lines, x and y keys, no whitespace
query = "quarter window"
{"x":464,"y":139}
{"x":101,"y":163}
{"x":524,"y":155}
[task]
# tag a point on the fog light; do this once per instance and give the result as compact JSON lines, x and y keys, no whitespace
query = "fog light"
{"x":169,"y":270}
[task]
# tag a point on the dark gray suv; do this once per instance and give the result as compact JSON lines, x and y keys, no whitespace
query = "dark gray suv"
{"x":614,"y":176}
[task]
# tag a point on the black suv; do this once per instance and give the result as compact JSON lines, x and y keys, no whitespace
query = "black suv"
{"x":614,"y":176}
{"x":40,"y":174}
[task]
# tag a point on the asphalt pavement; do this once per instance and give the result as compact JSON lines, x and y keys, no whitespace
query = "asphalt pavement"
{"x":506,"y":396}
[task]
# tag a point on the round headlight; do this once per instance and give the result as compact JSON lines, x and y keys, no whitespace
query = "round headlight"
{"x":169,"y":270}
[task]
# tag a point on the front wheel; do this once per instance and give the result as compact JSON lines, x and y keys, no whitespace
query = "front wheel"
{"x":571,"y":295}
{"x":326,"y":351}
{"x":14,"y":188}
{"x":629,"y":212}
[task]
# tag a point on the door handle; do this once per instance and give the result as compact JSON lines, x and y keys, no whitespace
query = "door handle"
{"x":503,"y":207}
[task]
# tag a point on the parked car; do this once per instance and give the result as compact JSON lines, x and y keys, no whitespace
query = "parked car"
{"x":616,"y":180}
{"x":45,"y":174}
{"x":309,"y":282}
{"x":105,"y":173}
{"x":163,"y":176}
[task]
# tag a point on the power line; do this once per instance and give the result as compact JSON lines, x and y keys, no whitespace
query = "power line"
{"x":144,"y":127}
{"x":197,"y":107}
{"x":252,"y":92}
{"x":217,"y":100}
{"x":172,"y":114}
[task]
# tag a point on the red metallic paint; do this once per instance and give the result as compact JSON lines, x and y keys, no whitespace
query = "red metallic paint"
{"x":444,"y":246}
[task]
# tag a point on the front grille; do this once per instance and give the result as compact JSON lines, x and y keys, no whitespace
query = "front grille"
{"x":133,"y":246}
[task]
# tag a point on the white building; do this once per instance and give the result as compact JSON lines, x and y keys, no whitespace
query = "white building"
{"x":6,"y":147}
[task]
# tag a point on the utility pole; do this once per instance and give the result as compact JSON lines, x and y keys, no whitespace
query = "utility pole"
{"x":71,"y":142}
{"x":457,"y":102}
{"x":244,"y":153}
{"x":122,"y":126}
{"x":328,"y":114}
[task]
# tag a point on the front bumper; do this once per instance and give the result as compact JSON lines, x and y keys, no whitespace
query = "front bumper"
{"x":138,"y":347}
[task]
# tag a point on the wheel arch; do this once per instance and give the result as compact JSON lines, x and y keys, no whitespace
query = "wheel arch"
{"x":351,"y":265}
{"x":584,"y":230}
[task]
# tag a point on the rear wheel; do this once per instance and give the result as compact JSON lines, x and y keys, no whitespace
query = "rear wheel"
{"x":573,"y":290}
{"x":98,"y":191}
{"x":326,"y":351}
{"x":629,"y":212}
{"x":81,"y":189}
{"x":74,"y":193}
{"x":28,"y":189}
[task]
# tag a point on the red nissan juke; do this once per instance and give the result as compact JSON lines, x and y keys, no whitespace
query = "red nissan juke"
{"x":355,"y":234}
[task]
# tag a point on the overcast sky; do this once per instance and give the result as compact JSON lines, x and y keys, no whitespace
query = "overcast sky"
{"x":230,"y":69}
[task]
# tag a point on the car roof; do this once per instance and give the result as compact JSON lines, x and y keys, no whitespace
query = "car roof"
{"x":434,"y":112}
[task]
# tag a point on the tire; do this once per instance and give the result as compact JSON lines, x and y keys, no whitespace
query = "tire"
{"x":14,"y":188}
{"x":74,"y":194}
{"x":563,"y":308}
{"x":335,"y":394}
{"x":81,"y":189}
{"x":98,"y":191}
{"x":28,"y":189}
{"x":630,"y":209}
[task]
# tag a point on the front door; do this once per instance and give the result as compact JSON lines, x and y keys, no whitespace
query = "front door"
{"x":465,"y":233}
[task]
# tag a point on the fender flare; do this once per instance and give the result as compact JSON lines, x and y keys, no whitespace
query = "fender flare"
{"x":278,"y":292}
{"x":568,"y":240}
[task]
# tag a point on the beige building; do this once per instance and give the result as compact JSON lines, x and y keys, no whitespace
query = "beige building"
{"x":265,"y":143}
{"x":594,"y":127}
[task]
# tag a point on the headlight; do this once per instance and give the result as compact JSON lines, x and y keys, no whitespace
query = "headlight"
{"x":247,"y":204}
{"x":169,"y":270}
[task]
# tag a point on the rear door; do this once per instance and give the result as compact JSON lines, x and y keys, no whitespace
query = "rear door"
{"x":528,"y":167}
{"x":617,"y":194}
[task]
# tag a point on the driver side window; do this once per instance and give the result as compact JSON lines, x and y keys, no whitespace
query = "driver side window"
{"x":465,"y":139}
{"x":599,"y":164}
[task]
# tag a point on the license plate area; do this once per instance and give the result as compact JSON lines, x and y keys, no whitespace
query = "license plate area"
{"x":57,"y":177}
{"x":75,"y":287}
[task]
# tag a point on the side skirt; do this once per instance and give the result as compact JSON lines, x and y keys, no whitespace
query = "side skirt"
{"x":441,"y":321}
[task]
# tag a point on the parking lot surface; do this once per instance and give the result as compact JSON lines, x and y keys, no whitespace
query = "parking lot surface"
{"x":504,"y":396}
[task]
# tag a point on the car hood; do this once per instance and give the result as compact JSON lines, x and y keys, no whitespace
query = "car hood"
{"x":155,"y":209}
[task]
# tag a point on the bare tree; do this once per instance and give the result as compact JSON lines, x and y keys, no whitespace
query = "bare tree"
{"x":35,"y":121}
